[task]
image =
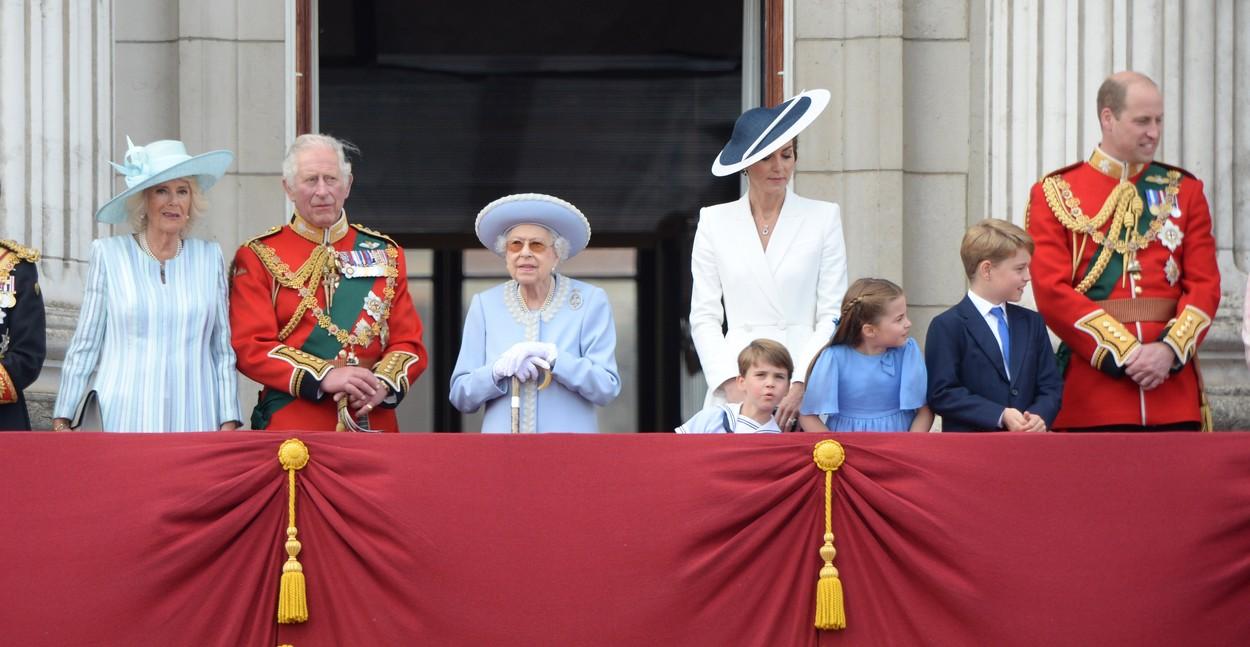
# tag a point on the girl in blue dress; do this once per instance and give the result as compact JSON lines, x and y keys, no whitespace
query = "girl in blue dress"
{"x":871,"y":375}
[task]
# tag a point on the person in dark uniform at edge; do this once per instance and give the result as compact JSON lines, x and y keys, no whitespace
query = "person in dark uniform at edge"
{"x":22,"y":332}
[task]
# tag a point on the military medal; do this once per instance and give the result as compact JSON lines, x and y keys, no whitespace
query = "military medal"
{"x":1155,"y":200}
{"x":8,"y":293}
{"x":1172,"y":271}
{"x":1171,"y":236}
{"x":358,"y":263}
{"x":374,"y":306}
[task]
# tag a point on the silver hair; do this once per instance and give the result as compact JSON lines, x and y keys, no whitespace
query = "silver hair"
{"x":137,"y":206}
{"x":309,"y":141}
{"x":558,"y":242}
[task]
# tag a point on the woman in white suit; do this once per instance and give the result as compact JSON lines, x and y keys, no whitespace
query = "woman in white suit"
{"x":775,"y":259}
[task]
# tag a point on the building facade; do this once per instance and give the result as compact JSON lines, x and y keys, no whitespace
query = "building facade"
{"x":944,"y":112}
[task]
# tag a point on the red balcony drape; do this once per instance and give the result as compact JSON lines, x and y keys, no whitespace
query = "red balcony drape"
{"x":995,"y":539}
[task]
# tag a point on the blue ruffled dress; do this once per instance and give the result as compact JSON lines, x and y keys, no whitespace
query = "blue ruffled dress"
{"x":857,"y":392}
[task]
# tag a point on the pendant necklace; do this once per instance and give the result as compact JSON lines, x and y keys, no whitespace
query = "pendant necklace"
{"x":143,"y":245}
{"x":767,"y":227}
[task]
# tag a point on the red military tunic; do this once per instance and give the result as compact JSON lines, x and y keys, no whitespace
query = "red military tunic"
{"x":1166,"y":285}
{"x":271,"y":321}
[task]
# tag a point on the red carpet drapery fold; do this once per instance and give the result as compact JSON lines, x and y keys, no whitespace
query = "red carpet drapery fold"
{"x":996,"y":539}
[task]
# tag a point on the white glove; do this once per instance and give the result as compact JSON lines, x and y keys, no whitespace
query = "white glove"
{"x":531,"y":368}
{"x":509,"y":362}
{"x":541,"y":349}
{"x":513,"y":360}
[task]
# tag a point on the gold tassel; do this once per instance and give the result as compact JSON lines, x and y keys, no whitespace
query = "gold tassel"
{"x":830,"y":608}
{"x":1204,"y":404}
{"x":292,"y":592}
{"x":342,"y":414}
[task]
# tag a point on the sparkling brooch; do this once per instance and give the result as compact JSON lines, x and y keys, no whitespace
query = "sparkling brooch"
{"x":1172,"y":271}
{"x":1171,"y":235}
{"x":374,"y":306}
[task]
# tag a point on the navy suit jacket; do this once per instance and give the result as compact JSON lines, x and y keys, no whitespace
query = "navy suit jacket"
{"x":968,"y":385}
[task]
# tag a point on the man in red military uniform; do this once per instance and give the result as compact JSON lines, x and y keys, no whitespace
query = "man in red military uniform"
{"x":319,"y":309}
{"x":1125,"y":273}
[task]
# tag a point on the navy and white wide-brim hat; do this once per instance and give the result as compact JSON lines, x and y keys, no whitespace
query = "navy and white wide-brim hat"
{"x":760,"y":131}
{"x":496,"y":218}
{"x":157,"y":163}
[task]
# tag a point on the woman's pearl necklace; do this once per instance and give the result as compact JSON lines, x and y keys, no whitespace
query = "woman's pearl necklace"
{"x":551,"y":293}
{"x":143,"y":244}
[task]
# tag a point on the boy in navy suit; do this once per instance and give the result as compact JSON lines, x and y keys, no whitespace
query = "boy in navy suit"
{"x":990,"y":362}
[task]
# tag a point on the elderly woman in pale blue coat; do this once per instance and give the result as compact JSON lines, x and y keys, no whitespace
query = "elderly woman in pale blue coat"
{"x":538,"y":323}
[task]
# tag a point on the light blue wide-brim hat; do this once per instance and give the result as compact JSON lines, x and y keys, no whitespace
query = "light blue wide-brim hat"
{"x":760,"y":131}
{"x":496,"y":218}
{"x":157,"y":163}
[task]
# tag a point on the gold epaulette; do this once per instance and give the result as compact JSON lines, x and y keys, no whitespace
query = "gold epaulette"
{"x":265,"y":234}
{"x":1178,"y":169}
{"x":374,"y":232}
{"x":28,"y":254}
{"x":1028,"y":203}
{"x":1183,"y":332}
{"x":1110,"y":335}
{"x":1061,"y":171}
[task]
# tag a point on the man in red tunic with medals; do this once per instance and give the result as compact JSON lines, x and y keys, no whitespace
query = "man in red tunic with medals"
{"x":1125,"y":273}
{"x":320,"y":312}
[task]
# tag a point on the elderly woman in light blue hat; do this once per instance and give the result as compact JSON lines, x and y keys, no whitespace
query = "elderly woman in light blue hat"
{"x":771,"y":264}
{"x":154,"y":328}
{"x":540,"y":348}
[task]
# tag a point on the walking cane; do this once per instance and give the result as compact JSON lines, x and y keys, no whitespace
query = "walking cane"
{"x":516,"y":397}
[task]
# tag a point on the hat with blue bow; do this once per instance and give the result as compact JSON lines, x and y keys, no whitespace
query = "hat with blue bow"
{"x":157,"y":163}
{"x":760,"y":131}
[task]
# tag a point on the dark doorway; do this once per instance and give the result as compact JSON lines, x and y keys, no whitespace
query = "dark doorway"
{"x":618,"y":107}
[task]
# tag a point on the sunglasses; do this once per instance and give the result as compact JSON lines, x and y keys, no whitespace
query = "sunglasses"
{"x":536,"y":246}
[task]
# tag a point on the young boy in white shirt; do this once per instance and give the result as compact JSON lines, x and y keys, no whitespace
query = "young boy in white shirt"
{"x":989,"y":360}
{"x":764,"y":370}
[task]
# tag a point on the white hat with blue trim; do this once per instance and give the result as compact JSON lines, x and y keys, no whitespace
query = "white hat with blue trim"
{"x":157,"y":163}
{"x":496,"y":218}
{"x":760,"y":131}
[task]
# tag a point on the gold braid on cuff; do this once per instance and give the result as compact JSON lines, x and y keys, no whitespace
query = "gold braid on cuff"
{"x":1183,"y":332}
{"x":302,"y":362}
{"x":1110,"y":335}
{"x":393,"y":369}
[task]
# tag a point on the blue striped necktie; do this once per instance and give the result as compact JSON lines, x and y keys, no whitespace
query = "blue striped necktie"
{"x":1003,"y":336}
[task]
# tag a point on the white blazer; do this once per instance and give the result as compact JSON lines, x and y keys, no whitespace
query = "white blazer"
{"x":790,"y":293}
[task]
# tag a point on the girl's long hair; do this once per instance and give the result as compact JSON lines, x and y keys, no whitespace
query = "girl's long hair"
{"x":865,"y":302}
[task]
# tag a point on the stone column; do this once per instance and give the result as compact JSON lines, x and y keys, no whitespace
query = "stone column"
{"x":893,"y":146}
{"x":211,"y":75}
{"x":55,"y":124}
{"x":1037,"y":68}
{"x":853,"y":154}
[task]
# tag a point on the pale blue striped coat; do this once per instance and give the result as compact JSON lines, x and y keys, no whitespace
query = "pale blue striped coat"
{"x":160,"y":352}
